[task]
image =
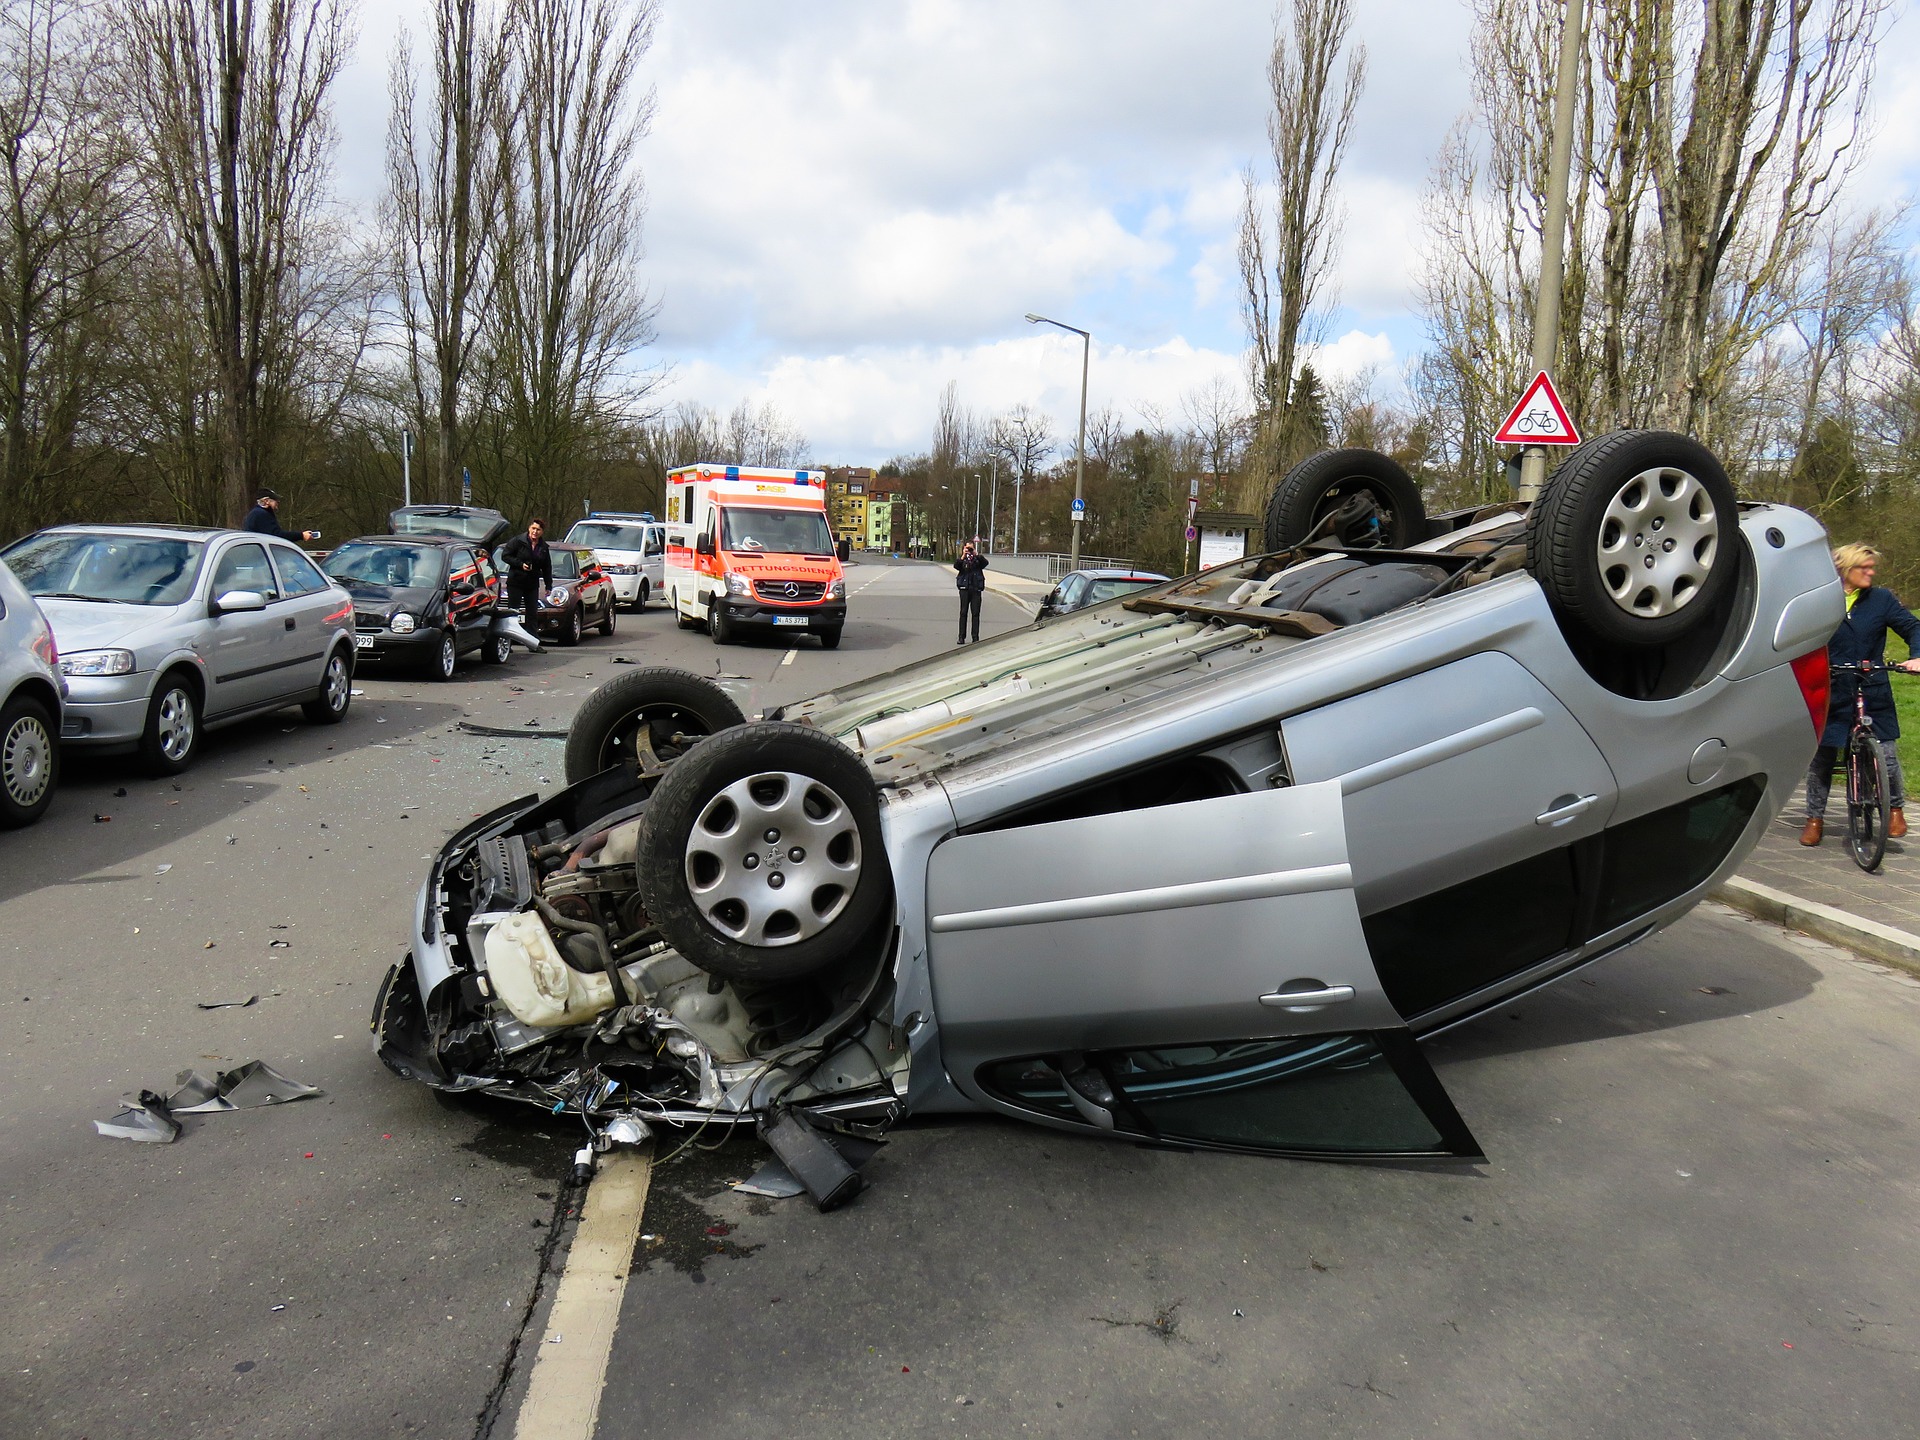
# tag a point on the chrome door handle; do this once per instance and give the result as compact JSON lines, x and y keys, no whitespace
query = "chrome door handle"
{"x":1566,"y":808}
{"x":1308,"y":999}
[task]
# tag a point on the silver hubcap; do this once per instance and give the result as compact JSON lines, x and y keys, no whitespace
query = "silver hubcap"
{"x":447,"y":656}
{"x":336,"y":687}
{"x":1657,"y":543}
{"x":26,"y":761}
{"x":773,"y":859}
{"x":175,"y":728}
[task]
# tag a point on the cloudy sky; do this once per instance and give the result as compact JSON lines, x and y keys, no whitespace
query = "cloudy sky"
{"x":853,"y":203}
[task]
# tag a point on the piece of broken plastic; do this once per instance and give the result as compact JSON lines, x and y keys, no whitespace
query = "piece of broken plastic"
{"x":146,"y":1120}
{"x":241,"y":1088}
{"x":627,"y":1130}
{"x":226,"y":1004}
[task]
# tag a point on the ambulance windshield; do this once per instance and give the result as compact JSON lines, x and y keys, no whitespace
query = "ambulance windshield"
{"x":782,"y":532}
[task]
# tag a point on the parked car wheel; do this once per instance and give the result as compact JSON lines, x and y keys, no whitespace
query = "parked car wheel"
{"x":29,"y":762}
{"x":830,"y":639}
{"x":606,"y":621}
{"x":329,"y":706}
{"x":496,"y":651}
{"x":445,"y":656}
{"x":675,"y":708}
{"x":172,"y":735}
{"x":761,"y":855}
{"x":1634,"y":537}
{"x":719,"y":626}
{"x":680,"y":616}
{"x":570,"y":627}
{"x":1321,"y":483}
{"x":640,"y":598}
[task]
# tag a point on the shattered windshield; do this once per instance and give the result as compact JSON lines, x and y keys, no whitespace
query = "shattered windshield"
{"x":784,"y":532}
{"x":129,"y":569}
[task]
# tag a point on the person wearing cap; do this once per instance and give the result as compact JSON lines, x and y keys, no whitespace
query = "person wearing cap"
{"x":263,"y":519}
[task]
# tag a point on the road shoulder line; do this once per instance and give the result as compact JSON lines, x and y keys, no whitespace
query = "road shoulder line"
{"x":1870,"y":938}
{"x":569,"y":1374}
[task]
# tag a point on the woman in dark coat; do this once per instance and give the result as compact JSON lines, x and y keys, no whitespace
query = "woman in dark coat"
{"x":1871,"y":612}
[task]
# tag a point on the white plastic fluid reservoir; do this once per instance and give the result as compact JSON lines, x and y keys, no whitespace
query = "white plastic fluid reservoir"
{"x":530,"y":979}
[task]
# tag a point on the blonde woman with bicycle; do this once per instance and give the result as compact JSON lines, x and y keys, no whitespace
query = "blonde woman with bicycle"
{"x":1862,"y":635}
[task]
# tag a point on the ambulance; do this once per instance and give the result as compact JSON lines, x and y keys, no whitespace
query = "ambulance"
{"x":750,"y":547}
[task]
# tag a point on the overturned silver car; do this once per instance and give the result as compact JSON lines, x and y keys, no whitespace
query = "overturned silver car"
{"x":1195,"y":866}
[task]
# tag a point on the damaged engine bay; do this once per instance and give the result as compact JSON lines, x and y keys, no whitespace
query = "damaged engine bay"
{"x":559,"y":990}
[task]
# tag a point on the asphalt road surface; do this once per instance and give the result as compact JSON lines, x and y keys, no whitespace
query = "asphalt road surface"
{"x":1696,"y":1218}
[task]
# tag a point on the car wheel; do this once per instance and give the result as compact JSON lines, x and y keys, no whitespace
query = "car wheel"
{"x":443,"y":659}
{"x":680,"y":616}
{"x":719,"y":626}
{"x":830,"y":639}
{"x":1320,"y":484}
{"x":570,"y":627}
{"x":1634,"y":537}
{"x":29,"y":762}
{"x":761,"y":855}
{"x":649,"y":716}
{"x":497,"y":650}
{"x":606,"y":621}
{"x":329,"y":706}
{"x":640,"y":598}
{"x":172,"y":735}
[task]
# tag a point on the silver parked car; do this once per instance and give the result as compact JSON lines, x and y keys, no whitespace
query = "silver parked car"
{"x":632,"y":549}
{"x":1195,"y":866}
{"x":167,"y":631}
{"x":30,"y":694}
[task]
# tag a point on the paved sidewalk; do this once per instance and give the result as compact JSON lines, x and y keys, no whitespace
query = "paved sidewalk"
{"x":1820,"y":890}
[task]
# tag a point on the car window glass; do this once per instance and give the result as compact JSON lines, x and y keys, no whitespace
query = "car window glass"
{"x":566,"y":563}
{"x":393,"y":566}
{"x":1108,"y":589}
{"x":244,"y":567}
{"x":656,"y":542}
{"x":782,"y":532}
{"x":606,"y":535}
{"x":297,"y":573}
{"x":133,"y":569}
{"x":1070,"y":590}
{"x":1659,"y":857}
{"x":488,"y":574}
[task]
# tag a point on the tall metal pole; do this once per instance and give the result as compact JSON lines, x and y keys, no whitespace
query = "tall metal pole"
{"x":1016,"y":513}
{"x":1553,"y":232}
{"x":993,"y":503}
{"x":1080,"y":445}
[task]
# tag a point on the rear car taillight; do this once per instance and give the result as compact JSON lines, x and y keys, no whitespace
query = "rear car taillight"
{"x":44,"y":646}
{"x":1815,"y":684}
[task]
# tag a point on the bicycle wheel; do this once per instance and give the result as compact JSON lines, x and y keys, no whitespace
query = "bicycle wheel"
{"x":1866,"y":800}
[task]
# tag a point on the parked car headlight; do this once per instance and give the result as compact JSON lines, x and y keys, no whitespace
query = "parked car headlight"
{"x":401,"y":623}
{"x":97,"y":662}
{"x":618,"y":569}
{"x":558,"y":595}
{"x":837,"y":590}
{"x":737,"y":585}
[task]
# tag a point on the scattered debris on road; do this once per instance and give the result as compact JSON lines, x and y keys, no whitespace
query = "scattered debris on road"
{"x":226,"y":1004}
{"x":150,"y":1118}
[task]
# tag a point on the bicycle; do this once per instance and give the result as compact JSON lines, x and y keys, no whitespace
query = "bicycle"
{"x":1865,"y":759}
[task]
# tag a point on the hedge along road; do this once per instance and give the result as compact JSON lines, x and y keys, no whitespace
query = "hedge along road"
{"x":141,"y":1286}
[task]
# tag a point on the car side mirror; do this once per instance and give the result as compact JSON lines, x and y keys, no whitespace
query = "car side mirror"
{"x":703,"y":545}
{"x":238,"y":601}
{"x":463,"y":587}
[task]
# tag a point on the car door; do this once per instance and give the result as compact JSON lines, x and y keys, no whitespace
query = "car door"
{"x":246,"y":650}
{"x":1472,"y":799}
{"x":469,"y":603}
{"x":305,"y":605}
{"x":1192,"y":973}
{"x":653,"y":558}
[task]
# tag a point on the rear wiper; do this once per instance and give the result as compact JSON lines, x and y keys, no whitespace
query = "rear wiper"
{"x":74,"y":595}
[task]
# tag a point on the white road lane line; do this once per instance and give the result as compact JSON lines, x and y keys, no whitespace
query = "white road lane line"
{"x":563,"y":1397}
{"x":787,"y":659}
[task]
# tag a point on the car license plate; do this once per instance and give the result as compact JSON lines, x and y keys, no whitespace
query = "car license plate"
{"x":790,"y":620}
{"x":363,"y":642}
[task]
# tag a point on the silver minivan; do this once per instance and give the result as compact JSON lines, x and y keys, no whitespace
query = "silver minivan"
{"x":632,"y":549}
{"x":30,"y":697}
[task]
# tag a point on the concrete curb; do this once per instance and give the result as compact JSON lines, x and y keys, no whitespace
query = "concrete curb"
{"x":1032,"y":607}
{"x":1879,"y":942}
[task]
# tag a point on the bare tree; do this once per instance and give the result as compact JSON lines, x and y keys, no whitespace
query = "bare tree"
{"x":1217,"y":415}
{"x":571,"y":312}
{"x":447,"y":170}
{"x":232,"y":100}
{"x":1285,"y":264}
{"x":760,"y":435}
{"x":64,"y":238}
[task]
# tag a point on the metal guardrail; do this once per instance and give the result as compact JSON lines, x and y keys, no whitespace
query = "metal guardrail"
{"x":1058,"y":565}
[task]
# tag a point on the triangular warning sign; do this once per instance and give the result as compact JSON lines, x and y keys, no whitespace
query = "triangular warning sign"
{"x":1539,"y":418}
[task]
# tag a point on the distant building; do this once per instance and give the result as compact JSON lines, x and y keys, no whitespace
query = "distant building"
{"x":886,"y":522}
{"x":847,"y":496}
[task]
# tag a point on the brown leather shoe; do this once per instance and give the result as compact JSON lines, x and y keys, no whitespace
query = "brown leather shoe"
{"x":1811,"y":835}
{"x":1896,"y":823}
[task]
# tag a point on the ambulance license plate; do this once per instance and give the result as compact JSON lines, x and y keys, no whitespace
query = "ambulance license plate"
{"x":800,"y":620}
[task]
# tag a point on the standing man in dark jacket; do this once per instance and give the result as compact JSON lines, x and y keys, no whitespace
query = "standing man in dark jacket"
{"x":1871,"y":612}
{"x":529,"y":570}
{"x":972,"y":583}
{"x":264,"y":518}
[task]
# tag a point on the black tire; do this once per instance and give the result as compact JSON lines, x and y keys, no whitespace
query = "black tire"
{"x":29,"y":762}
{"x":571,"y":627}
{"x":497,"y":650}
{"x":1320,"y":483}
{"x":1600,"y":520}
{"x":170,"y":739}
{"x":606,"y":621}
{"x":640,"y":598}
{"x":667,"y":702}
{"x":722,"y":629}
{"x":1867,"y":800}
{"x":738,"y":904}
{"x":330,"y":703}
{"x":444,"y":658}
{"x":830,"y":639}
{"x":680,"y":616}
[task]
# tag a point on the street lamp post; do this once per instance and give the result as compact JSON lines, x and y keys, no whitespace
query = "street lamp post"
{"x":1079,"y":445}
